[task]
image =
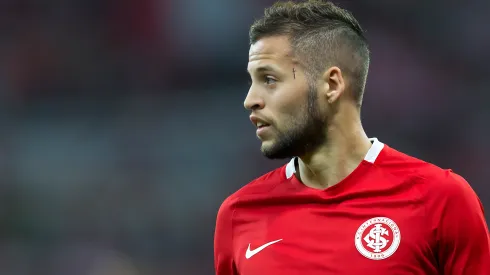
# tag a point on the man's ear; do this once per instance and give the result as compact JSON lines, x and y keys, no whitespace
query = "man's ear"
{"x":333,"y":85}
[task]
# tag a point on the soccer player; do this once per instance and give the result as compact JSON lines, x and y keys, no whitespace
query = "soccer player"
{"x":345,"y":203}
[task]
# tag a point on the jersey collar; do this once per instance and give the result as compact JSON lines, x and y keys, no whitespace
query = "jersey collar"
{"x":371,"y":156}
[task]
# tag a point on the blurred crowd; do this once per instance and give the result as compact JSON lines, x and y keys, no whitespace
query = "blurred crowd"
{"x":123,"y":126}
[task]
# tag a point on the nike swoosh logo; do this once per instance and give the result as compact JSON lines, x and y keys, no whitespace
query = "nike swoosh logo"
{"x":249,"y":254}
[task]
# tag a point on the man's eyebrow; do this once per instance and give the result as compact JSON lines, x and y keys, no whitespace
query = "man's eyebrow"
{"x":264,"y":68}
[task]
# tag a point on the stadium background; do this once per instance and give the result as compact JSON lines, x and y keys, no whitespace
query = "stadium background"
{"x":122,"y":126}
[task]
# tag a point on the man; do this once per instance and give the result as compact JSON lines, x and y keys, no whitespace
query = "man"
{"x":344,"y":204}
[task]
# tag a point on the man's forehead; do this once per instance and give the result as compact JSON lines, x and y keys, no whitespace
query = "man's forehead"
{"x":270,"y":53}
{"x":274,"y":46}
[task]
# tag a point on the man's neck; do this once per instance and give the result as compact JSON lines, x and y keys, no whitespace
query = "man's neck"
{"x":336,"y":159}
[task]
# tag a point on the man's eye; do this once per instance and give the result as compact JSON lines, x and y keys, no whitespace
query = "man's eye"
{"x":269,"y":80}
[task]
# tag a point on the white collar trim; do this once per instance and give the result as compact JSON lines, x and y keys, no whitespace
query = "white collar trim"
{"x":371,"y":156}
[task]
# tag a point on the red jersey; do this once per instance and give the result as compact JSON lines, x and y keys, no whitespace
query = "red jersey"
{"x":394,"y":214}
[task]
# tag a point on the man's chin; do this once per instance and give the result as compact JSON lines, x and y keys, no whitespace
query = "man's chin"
{"x":267,"y":146}
{"x":270,"y":151}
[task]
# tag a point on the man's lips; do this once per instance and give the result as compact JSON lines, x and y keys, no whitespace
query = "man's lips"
{"x":259,"y":122}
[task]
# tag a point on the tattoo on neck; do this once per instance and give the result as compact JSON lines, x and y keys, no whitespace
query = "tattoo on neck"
{"x":294,"y":73}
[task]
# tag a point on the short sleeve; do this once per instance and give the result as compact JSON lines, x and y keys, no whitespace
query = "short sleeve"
{"x":462,"y":232}
{"x":223,"y":240}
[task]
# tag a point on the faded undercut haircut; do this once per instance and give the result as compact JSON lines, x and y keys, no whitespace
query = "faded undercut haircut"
{"x":321,"y":35}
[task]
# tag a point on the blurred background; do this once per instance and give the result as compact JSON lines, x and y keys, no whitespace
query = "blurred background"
{"x":123,"y":128}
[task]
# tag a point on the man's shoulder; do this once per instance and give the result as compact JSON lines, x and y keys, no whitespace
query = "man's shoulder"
{"x":257,"y":186}
{"x":432,"y":177}
{"x":444,"y":192}
{"x":398,"y":162}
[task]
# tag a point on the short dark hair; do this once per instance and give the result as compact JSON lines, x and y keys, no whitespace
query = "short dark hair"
{"x":321,"y":35}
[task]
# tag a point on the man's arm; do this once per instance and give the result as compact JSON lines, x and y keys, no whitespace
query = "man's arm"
{"x":223,"y":241}
{"x":463,"y":237}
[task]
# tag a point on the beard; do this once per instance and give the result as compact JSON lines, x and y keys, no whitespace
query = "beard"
{"x":305,"y":133}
